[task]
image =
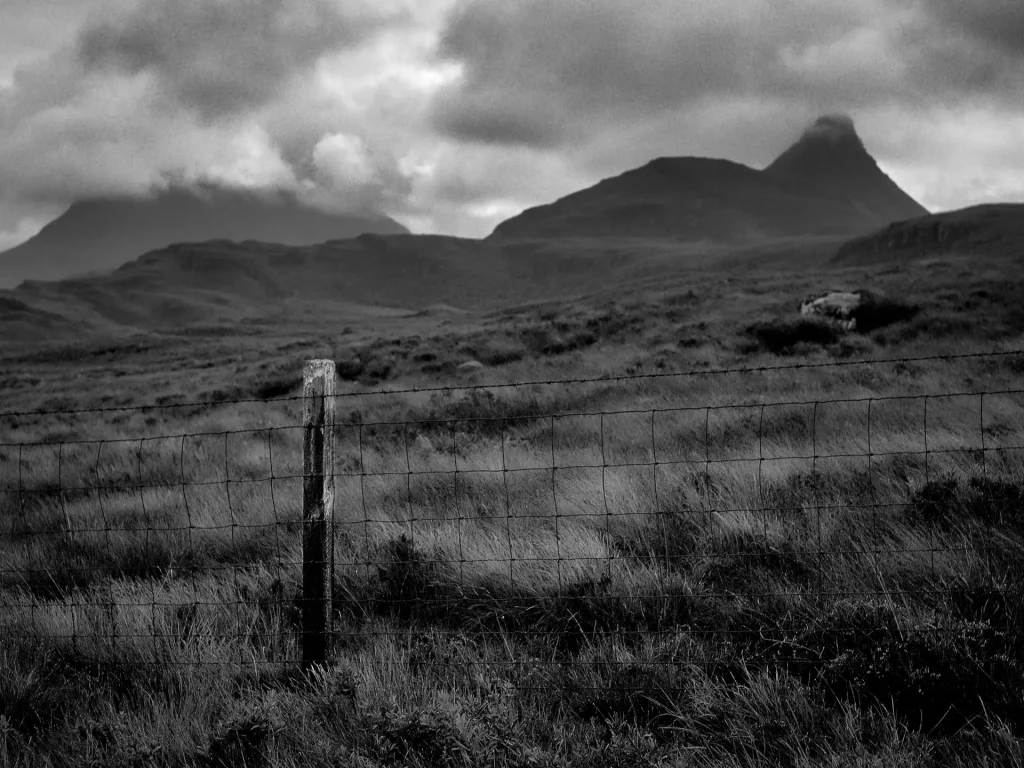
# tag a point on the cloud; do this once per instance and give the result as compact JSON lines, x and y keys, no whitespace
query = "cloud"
{"x":344,"y":160}
{"x":247,"y":159}
{"x":992,"y":23}
{"x":92,"y":140}
{"x":952,"y":157}
{"x":453,"y":114}
{"x":503,"y":115}
{"x":468,"y":190}
{"x":540,"y":69}
{"x":223,"y":57}
{"x":606,"y":85}
{"x":833,"y":127}
{"x":62,"y":137}
{"x":347,"y":168}
{"x":235,"y":94}
{"x":555,"y":72}
{"x":32,"y":29}
{"x":20,"y":222}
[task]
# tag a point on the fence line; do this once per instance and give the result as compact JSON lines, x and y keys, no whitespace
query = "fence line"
{"x":607,"y":379}
{"x":540,"y":530}
{"x":979,"y":393}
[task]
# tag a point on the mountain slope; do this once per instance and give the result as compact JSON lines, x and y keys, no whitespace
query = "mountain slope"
{"x":825,"y":184}
{"x":218,"y":281}
{"x":102,"y":234}
{"x":993,"y":230}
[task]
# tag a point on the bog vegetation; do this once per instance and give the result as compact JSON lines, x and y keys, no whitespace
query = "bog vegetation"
{"x":811,"y":565}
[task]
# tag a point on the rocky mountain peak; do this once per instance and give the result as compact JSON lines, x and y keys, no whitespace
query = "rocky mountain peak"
{"x":827,"y":145}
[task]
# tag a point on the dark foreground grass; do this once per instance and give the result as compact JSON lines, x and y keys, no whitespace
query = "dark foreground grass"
{"x":748,"y":608}
{"x":883,"y":634}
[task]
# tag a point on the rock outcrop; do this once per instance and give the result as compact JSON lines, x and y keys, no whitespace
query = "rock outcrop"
{"x":995,"y":229}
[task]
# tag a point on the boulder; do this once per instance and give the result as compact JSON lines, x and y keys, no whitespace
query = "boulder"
{"x":470,"y":366}
{"x":861,"y":310}
{"x":839,"y":307}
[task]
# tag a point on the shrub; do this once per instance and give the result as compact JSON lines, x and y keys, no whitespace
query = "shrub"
{"x":412,"y":586}
{"x":245,"y":741}
{"x":928,"y":325}
{"x":548,"y":341}
{"x":497,"y":351}
{"x":938,"y":503}
{"x":646,"y":695}
{"x":780,"y":336}
{"x":997,"y":502}
{"x":745,"y":563}
{"x":280,"y":386}
{"x":932,"y":681}
{"x":350,"y":368}
{"x":945,"y":502}
{"x":877,"y":312}
{"x":427,"y":738}
{"x":378,"y":369}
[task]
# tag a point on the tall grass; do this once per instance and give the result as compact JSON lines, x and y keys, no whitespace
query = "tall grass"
{"x":530,"y":581}
{"x":810,"y":565}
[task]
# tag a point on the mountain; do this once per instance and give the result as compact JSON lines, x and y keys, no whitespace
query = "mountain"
{"x":830,"y":157}
{"x":220,"y":281}
{"x":992,"y":230}
{"x":825,"y":184}
{"x":101,"y":234}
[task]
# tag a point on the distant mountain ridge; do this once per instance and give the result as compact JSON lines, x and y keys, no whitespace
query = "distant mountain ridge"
{"x":825,"y":184}
{"x":983,"y":231}
{"x":101,"y":234}
{"x":223,"y":281}
{"x":669,"y":215}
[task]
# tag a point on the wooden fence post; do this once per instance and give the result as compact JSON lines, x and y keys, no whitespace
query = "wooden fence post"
{"x":318,"y":390}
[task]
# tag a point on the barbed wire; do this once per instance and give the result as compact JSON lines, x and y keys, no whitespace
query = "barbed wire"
{"x":530,"y":416}
{"x":604,"y":379}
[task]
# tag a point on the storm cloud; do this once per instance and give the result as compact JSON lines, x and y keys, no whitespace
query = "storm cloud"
{"x":996,"y":23}
{"x":141,"y":94}
{"x":542,"y":72}
{"x":574,"y":66}
{"x":221,"y":56}
{"x":451,"y":115}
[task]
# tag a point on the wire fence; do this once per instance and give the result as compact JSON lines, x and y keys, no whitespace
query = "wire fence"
{"x":525,"y":538}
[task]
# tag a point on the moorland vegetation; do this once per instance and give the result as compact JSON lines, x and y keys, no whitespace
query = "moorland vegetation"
{"x":782,"y":557}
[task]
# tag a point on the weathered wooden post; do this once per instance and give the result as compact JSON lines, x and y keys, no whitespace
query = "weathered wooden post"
{"x":318,"y":390}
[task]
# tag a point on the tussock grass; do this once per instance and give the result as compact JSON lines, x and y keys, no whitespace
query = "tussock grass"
{"x":784,"y":568}
{"x":778,"y":600}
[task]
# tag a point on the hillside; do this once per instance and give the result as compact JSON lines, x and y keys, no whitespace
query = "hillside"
{"x":671,"y":217}
{"x":223,"y":281}
{"x":993,"y":230}
{"x":101,"y":234}
{"x":825,"y":184}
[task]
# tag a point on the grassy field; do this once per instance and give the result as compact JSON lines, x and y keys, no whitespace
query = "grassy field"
{"x":810,"y":564}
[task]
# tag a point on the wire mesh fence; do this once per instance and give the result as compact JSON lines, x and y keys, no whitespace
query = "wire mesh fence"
{"x":522,"y":537}
{"x":161,"y":549}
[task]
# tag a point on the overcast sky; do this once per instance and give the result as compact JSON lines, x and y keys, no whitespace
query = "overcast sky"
{"x":451,"y":115}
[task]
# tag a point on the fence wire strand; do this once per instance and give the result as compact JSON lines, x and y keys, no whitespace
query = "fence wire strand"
{"x":447,"y":388}
{"x":541,"y":532}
